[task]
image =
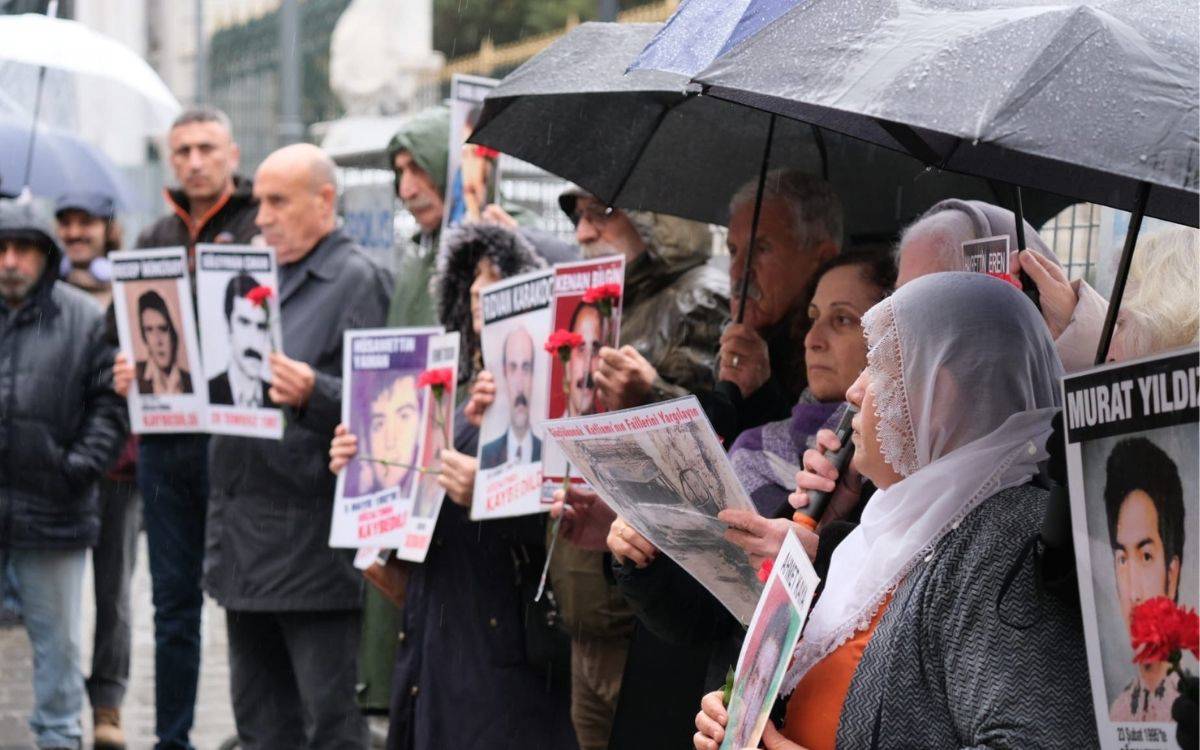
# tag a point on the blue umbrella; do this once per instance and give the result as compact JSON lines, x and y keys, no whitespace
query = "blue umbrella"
{"x":700,"y":31}
{"x":60,"y":163}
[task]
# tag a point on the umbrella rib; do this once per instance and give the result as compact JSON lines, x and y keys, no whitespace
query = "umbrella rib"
{"x":642,"y":150}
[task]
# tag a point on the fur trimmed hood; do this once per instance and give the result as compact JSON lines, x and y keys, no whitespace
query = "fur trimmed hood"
{"x":465,"y":247}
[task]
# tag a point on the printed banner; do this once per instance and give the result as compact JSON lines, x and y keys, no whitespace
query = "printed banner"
{"x":767,"y":649}
{"x":473,"y":170}
{"x":1132,"y":447}
{"x":382,"y":405}
{"x":587,"y":302}
{"x":516,"y":323}
{"x":988,"y":255}
{"x":238,"y":291}
{"x":663,"y":470}
{"x":156,"y":326}
{"x":437,"y":433}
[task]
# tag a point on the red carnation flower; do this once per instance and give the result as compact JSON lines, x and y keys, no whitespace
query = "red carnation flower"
{"x":764,"y":570}
{"x":443,"y":377}
{"x":259,"y":295}
{"x":1160,"y":629}
{"x":562,"y":341}
{"x":603,"y":292}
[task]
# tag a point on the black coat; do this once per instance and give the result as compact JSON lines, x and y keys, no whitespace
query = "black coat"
{"x":462,"y":676}
{"x":270,"y":501}
{"x":233,"y":223}
{"x":61,"y":423}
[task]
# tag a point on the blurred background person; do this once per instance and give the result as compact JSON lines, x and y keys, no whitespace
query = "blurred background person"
{"x":63,"y":433}
{"x":88,"y":230}
{"x":1159,"y":311}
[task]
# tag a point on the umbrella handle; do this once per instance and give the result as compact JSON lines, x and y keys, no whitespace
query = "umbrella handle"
{"x":758,"y":199}
{"x":1118,"y":290}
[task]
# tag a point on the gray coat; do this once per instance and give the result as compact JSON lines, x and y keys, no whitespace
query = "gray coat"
{"x":948,"y":668}
{"x":269,"y":507}
{"x":61,"y":423}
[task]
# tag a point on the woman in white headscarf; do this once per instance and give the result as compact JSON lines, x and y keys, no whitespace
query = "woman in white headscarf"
{"x":929,"y":633}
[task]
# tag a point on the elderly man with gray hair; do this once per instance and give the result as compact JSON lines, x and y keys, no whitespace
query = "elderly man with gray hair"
{"x":292,"y":603}
{"x":1073,"y":311}
{"x":799,"y":227}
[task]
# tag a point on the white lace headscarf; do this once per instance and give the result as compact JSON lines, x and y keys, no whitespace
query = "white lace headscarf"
{"x":965,"y":381}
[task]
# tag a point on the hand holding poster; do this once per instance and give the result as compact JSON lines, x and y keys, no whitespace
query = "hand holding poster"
{"x":383,"y":405}
{"x":767,"y":649}
{"x":587,"y":302}
{"x":516,"y":322}
{"x":663,"y":470}
{"x":152,"y":300}
{"x":238,"y":290}
{"x":1132,"y":447}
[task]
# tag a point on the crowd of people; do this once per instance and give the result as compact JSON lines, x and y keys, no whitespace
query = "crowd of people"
{"x":920,"y":635}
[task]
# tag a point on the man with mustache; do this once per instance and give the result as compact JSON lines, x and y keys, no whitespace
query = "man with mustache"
{"x":242,"y":383}
{"x":585,"y":321}
{"x":518,"y":444}
{"x":88,"y":230}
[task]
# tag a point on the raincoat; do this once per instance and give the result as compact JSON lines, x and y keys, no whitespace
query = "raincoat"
{"x":62,"y":423}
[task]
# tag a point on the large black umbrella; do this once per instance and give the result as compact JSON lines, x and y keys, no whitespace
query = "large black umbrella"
{"x":1097,"y":101}
{"x":646,"y":141}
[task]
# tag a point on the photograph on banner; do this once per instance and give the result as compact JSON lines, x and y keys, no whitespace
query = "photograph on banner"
{"x":663,"y":470}
{"x":238,"y":299}
{"x":1132,"y":443}
{"x":768,"y":645}
{"x":382,"y":406}
{"x":156,"y":326}
{"x":438,"y":381}
{"x":587,"y":303}
{"x":473,"y":170}
{"x":516,"y":324}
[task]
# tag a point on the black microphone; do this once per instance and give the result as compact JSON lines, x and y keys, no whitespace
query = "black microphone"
{"x":817,"y":500}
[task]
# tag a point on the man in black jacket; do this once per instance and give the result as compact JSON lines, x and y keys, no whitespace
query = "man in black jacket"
{"x":292,"y":603}
{"x":212,"y":204}
{"x":62,"y":428}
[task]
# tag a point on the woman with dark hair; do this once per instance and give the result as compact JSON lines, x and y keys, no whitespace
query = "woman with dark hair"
{"x":464,"y":675}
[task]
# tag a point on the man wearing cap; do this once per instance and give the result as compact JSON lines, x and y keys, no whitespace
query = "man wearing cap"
{"x":676,"y":301}
{"x":63,"y":427}
{"x":211,"y":205}
{"x":88,"y":231}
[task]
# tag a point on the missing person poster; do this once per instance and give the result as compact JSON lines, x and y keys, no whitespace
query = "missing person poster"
{"x":770,"y":640}
{"x":383,"y":403}
{"x":516,"y":324}
{"x":152,"y":300}
{"x":238,"y":291}
{"x":1132,"y":447}
{"x":587,"y":302}
{"x":663,"y":470}
{"x":437,"y":433}
{"x":473,"y":170}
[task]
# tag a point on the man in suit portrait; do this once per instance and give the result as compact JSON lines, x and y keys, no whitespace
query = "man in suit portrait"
{"x":242,"y":383}
{"x":518,"y":444}
{"x":161,"y":373}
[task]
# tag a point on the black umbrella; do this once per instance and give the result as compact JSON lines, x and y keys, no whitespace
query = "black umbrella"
{"x":1095,"y":101}
{"x":645,"y":141}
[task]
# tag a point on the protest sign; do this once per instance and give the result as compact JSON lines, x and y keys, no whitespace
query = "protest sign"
{"x":156,"y":326}
{"x":437,"y":433}
{"x":382,"y":405}
{"x":238,"y":294}
{"x":473,"y":170}
{"x":1131,"y":450}
{"x":987,"y":255}
{"x":587,"y":302}
{"x":516,"y":324}
{"x":663,"y":470}
{"x":770,"y":640}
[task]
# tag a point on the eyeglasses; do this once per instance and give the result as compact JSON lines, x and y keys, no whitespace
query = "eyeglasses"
{"x":596,"y":214}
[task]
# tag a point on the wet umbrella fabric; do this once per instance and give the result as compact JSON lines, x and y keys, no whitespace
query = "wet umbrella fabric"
{"x":61,"y":163}
{"x":1085,"y":100}
{"x":699,"y":31}
{"x":642,"y":141}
